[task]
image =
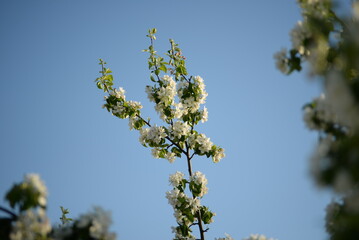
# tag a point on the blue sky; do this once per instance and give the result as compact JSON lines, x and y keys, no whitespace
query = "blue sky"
{"x":52,"y":122}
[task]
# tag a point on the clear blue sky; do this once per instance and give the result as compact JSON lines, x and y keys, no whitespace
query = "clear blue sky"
{"x":52,"y":122}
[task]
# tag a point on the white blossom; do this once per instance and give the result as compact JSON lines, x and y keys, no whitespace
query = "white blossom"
{"x":149,"y":91}
{"x":134,"y":105}
{"x":281,"y":61}
{"x":35,"y":182}
{"x":218,"y":155}
{"x":99,"y":221}
{"x":132,"y":121}
{"x":119,"y":109}
{"x":31,"y":225}
{"x":228,"y":237}
{"x":178,"y":235}
{"x":180,"y":129}
{"x":120,"y":93}
{"x":153,"y":134}
{"x":298,"y":35}
{"x":176,"y":179}
{"x":179,"y":110}
{"x":170,"y":156}
{"x":341,"y":101}
{"x":204,"y":115}
{"x":197,"y":96}
{"x":173,"y":196}
{"x":205,"y":144}
{"x":155,"y":152}
{"x":200,"y":179}
{"x":258,"y":237}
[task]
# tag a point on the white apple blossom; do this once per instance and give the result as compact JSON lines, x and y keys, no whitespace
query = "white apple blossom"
{"x":176,"y":179}
{"x":341,"y":100}
{"x":228,"y":237}
{"x":179,"y":129}
{"x":281,"y":60}
{"x":200,"y":84}
{"x":99,"y":221}
{"x":119,"y":109}
{"x":173,"y":196}
{"x":200,"y":179}
{"x":155,"y":152}
{"x":31,"y":225}
{"x":218,"y":155}
{"x":178,"y":234}
{"x":189,"y":101}
{"x":205,"y":144}
{"x":132,"y":121}
{"x":153,"y":134}
{"x":258,"y":237}
{"x":179,"y":110}
{"x":120,"y":93}
{"x":35,"y":182}
{"x":204,"y":115}
{"x":298,"y":35}
{"x":170,"y":156}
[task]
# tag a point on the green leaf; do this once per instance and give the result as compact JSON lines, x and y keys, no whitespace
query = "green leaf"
{"x":163,"y":68}
{"x":152,"y":78}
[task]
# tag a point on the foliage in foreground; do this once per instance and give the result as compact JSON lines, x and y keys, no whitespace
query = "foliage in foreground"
{"x":329,"y":45}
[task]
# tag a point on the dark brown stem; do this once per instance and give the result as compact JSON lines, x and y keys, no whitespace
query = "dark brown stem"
{"x":189,"y":164}
{"x":200,"y":226}
{"x":13,"y":215}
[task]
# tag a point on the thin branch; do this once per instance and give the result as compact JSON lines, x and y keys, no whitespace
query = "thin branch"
{"x":13,"y":215}
{"x":168,"y":138}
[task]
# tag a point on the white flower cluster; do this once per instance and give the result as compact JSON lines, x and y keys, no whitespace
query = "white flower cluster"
{"x":179,"y":236}
{"x":124,"y":110}
{"x":201,"y":142}
{"x":191,"y":102}
{"x":200,"y":180}
{"x":205,"y":147}
{"x":34,"y":181}
{"x":117,"y":104}
{"x":191,"y":95}
{"x":218,"y":155}
{"x":341,"y":100}
{"x":204,"y":115}
{"x":153,"y":136}
{"x":299,"y":34}
{"x":316,"y":8}
{"x":281,"y":61}
{"x":170,"y":156}
{"x":163,"y":96}
{"x":318,"y":113}
{"x":228,"y":237}
{"x":182,"y":203}
{"x":31,"y":225}
{"x":180,"y":129}
{"x":258,"y":237}
{"x":176,"y":179}
{"x":98,"y":222}
{"x":337,"y":106}
{"x":120,"y":93}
